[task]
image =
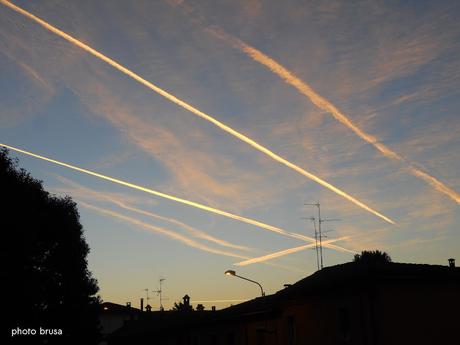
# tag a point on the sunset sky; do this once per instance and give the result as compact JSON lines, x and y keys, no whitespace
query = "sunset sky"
{"x":250,"y":109}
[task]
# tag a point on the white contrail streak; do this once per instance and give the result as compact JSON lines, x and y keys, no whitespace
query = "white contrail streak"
{"x":166,"y":232}
{"x":86,"y":192}
{"x":170,"y":197}
{"x":194,"y":110}
{"x":195,"y":232}
{"x":322,"y":103}
{"x":288,"y":251}
{"x":174,"y":235}
{"x":83,"y":192}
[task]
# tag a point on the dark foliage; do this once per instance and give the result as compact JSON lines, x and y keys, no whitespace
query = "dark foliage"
{"x":372,"y":257}
{"x":45,"y":272}
{"x":182,"y":307}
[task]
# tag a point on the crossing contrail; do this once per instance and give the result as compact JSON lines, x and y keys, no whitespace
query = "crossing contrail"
{"x":174,"y":235}
{"x":288,"y":251}
{"x":323,"y":104}
{"x":194,"y":110}
{"x":171,"y":197}
{"x":193,"y":231}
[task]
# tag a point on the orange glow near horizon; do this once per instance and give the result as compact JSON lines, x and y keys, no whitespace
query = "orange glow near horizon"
{"x":194,"y":110}
{"x":219,"y":301}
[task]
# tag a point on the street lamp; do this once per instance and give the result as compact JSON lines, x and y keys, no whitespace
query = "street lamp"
{"x":233,"y":273}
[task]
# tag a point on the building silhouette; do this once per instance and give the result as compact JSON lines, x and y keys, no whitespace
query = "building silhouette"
{"x":352,"y":303}
{"x":113,"y":316}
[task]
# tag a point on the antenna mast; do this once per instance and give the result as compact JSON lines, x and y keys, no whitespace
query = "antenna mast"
{"x":147,"y":292}
{"x":159,"y":293}
{"x":319,"y":233}
{"x":313,"y":219}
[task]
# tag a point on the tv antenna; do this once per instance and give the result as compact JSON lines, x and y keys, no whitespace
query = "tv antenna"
{"x":313,"y":219}
{"x":159,"y":293}
{"x":318,"y":233}
{"x":147,"y":292}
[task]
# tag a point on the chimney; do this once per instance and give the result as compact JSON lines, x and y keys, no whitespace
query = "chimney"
{"x":142,"y":304}
{"x":213,"y":308}
{"x":186,"y":299}
{"x":452,"y":263}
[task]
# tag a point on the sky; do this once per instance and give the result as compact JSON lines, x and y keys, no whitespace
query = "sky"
{"x":206,"y":126}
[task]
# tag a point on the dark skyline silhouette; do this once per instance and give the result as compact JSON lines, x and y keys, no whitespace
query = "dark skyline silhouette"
{"x":370,"y":301}
{"x":46,"y":280}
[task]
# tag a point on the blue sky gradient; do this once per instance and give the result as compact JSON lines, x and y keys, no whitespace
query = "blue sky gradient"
{"x":391,"y":68}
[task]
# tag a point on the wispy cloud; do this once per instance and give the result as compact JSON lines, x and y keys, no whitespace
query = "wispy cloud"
{"x":416,"y":242}
{"x":35,"y":94}
{"x":113,"y":159}
{"x":196,"y":111}
{"x":201,"y":173}
{"x":306,"y":90}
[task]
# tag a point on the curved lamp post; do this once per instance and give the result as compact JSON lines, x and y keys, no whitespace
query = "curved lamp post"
{"x":233,"y":273}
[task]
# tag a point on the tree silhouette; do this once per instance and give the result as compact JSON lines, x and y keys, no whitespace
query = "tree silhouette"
{"x":44,"y":272}
{"x":182,"y":307}
{"x":372,"y":257}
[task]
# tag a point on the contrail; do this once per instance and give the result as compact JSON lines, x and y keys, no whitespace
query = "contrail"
{"x":193,"y":110}
{"x":288,"y":251}
{"x":84,"y":192}
{"x":170,"y":197}
{"x":195,"y":232}
{"x":174,"y":235}
{"x":322,"y":103}
{"x":203,"y":235}
{"x":166,"y":232}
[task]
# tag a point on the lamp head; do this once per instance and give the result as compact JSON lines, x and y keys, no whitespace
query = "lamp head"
{"x":230,"y":273}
